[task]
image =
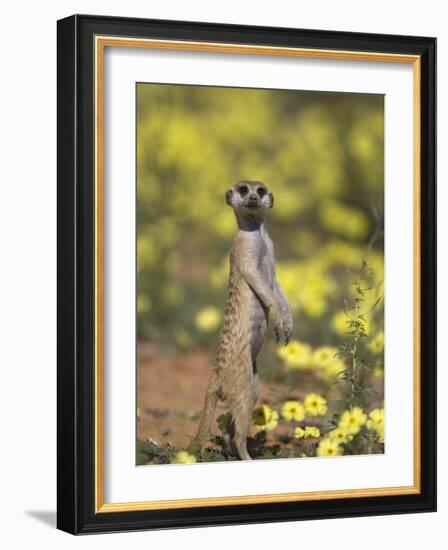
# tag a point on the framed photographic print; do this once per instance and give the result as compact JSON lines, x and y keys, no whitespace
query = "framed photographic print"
{"x":246,"y":274}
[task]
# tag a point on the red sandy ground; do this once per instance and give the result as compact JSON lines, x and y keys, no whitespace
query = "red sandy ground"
{"x":171,"y":390}
{"x":170,"y":396}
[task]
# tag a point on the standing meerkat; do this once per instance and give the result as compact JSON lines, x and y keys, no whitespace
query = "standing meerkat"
{"x":253,"y":293}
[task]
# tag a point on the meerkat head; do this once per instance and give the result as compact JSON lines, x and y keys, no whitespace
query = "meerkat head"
{"x":250,"y":197}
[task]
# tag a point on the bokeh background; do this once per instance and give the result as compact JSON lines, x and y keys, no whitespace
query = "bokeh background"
{"x":322,"y":156}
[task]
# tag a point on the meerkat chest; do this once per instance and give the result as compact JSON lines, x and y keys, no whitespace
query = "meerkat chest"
{"x":259,"y":314}
{"x":267,"y":260}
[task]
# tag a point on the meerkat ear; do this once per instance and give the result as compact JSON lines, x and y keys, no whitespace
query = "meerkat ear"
{"x":229,"y":194}
{"x":271,"y":196}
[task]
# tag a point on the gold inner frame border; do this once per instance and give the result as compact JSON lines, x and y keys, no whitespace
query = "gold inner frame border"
{"x":100,"y":44}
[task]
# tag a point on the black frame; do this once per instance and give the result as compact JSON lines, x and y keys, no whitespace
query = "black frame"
{"x":75,"y":98}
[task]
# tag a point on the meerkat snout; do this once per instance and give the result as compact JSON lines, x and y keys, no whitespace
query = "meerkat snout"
{"x":249,"y":196}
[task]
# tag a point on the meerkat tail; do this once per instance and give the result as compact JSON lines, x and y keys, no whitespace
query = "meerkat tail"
{"x":211,"y":398}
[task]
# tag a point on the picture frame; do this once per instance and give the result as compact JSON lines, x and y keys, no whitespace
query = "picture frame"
{"x":82,"y":194}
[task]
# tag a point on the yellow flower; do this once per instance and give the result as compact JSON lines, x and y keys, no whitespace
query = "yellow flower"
{"x":299,"y":433}
{"x":313,"y":305}
{"x":182,"y":457}
{"x":352,"y":420}
{"x":339,"y":323}
{"x":340,"y":435}
{"x":308,"y":431}
{"x":308,"y":285}
{"x":293,"y":410}
{"x":375,"y":422}
{"x":334,"y":368}
{"x":378,"y":372}
{"x":324,"y":355}
{"x":265,"y":418}
{"x":343,"y":220}
{"x":208,"y":319}
{"x":329,"y":447}
{"x":343,"y":253}
{"x":315,"y":405}
{"x":312,"y":431}
{"x":325,"y":358}
{"x":376,"y":345}
{"x":296,"y":354}
{"x":143,"y":303}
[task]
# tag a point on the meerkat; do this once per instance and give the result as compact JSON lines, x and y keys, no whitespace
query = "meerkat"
{"x":253,"y":293}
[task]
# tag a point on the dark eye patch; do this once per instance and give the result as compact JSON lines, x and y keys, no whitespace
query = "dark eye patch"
{"x":243,"y":190}
{"x":261,"y":191}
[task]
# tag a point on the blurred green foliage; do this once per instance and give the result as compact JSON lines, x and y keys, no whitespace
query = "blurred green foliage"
{"x":322,"y":156}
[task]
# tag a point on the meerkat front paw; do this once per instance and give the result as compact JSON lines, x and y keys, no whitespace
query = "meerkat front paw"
{"x":287,"y":325}
{"x":277,"y":332}
{"x":278,"y":324}
{"x":288,"y":335}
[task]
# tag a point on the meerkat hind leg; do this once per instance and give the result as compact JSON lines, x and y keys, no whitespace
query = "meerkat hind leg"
{"x":241,"y":412}
{"x":211,"y":398}
{"x":255,"y":384}
{"x":228,"y":437}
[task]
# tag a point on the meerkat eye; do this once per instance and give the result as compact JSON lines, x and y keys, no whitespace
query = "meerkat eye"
{"x":243,"y":190}
{"x":261,"y":192}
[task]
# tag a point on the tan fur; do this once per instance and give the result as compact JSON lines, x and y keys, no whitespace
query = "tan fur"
{"x":253,"y":291}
